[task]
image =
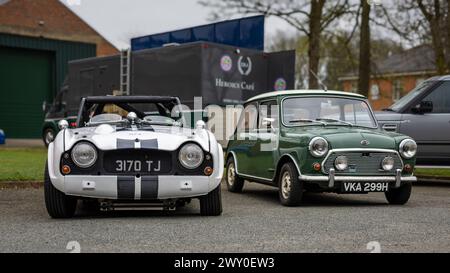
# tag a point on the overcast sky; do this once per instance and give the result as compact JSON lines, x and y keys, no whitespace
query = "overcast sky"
{"x":120,"y":20}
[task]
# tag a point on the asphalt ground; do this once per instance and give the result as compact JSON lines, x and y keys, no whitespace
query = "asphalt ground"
{"x":252,"y":221}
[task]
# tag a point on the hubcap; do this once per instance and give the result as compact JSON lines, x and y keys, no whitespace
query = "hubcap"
{"x":231,"y":174}
{"x":286,"y":185}
{"x":49,"y":137}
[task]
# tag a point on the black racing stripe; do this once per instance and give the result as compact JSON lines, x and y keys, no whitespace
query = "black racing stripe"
{"x":149,"y":144}
{"x":125,"y":187}
{"x":149,"y":187}
{"x":125,"y":144}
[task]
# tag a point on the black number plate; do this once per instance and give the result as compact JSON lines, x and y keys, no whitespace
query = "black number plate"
{"x":355,"y":187}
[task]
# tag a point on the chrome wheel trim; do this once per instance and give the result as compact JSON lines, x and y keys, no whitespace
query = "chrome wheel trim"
{"x":231,"y":174}
{"x":49,"y":136}
{"x":286,"y":183}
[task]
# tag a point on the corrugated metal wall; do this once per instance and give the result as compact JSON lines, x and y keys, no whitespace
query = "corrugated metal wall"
{"x":64,"y":51}
{"x":32,"y":70}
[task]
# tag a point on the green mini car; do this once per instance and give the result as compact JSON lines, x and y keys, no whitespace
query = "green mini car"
{"x":318,"y":141}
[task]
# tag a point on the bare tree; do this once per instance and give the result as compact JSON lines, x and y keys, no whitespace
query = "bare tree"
{"x":420,"y":20}
{"x":434,"y":16}
{"x":364,"y":50}
{"x":309,"y":17}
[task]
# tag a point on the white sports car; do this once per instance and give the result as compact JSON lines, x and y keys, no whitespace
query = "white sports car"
{"x":133,"y":150}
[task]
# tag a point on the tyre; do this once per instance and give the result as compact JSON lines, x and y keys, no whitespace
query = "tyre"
{"x":90,"y":206}
{"x":399,"y":196}
{"x":234,"y":182}
{"x":57,"y":203}
{"x":211,"y":204}
{"x":290,"y":188}
{"x":48,"y":136}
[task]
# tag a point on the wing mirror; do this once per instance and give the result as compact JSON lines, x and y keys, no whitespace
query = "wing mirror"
{"x":423,"y":107}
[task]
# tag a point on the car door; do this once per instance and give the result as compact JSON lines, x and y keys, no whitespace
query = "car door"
{"x":267,"y":140}
{"x":431,"y":130}
{"x":246,"y":135}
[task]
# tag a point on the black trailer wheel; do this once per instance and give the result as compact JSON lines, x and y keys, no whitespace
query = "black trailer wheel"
{"x":234,"y":182}
{"x":211,"y":204}
{"x":48,"y":136}
{"x":57,"y":203}
{"x":290,"y":188}
{"x":399,"y":196}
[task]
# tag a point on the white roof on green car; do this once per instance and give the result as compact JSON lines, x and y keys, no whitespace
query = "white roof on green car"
{"x":305,"y":92}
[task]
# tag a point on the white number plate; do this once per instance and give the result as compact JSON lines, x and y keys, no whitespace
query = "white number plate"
{"x":365,"y":187}
{"x":138,"y":166}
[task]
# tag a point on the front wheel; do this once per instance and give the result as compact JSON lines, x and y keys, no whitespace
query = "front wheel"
{"x":399,"y":196}
{"x":57,"y":203}
{"x":290,"y":188}
{"x":234,"y":182}
{"x":211,"y":204}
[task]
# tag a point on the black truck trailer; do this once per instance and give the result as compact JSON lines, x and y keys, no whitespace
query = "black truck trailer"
{"x":219,"y":74}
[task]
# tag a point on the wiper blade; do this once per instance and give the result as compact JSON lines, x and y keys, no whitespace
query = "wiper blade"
{"x":306,"y":121}
{"x":335,"y":120}
{"x":148,"y":122}
{"x":115,"y":122}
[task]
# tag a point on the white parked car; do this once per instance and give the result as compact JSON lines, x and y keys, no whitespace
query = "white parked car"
{"x":132,"y":150}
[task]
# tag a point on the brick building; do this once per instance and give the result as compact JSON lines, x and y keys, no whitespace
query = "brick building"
{"x":37,"y":40}
{"x":395,"y":76}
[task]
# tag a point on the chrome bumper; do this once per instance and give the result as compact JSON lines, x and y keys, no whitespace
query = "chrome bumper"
{"x":332,"y":178}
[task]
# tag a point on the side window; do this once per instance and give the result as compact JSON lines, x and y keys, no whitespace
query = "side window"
{"x":268,"y":109}
{"x":440,"y":98}
{"x":248,"y":118}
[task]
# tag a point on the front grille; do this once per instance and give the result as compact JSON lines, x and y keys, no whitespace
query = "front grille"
{"x":363,"y":163}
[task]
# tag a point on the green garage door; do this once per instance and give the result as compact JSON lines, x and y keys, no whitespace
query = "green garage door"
{"x":25,"y":82}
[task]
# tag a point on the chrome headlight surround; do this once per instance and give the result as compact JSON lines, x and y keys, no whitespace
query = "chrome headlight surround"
{"x":408,"y":148}
{"x":341,"y":163}
{"x":318,"y":147}
{"x":84,"y":154}
{"x":191,"y":156}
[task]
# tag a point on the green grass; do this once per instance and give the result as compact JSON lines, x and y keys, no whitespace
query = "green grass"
{"x":433,"y":172}
{"x":27,"y":164}
{"x":22,"y":164}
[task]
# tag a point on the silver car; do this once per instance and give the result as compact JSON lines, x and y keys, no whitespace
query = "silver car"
{"x":424,"y":115}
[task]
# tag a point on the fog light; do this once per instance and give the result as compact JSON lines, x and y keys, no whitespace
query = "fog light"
{"x":317,"y":166}
{"x":208,"y":171}
{"x":341,"y":163}
{"x":65,"y":169}
{"x":388,"y":163}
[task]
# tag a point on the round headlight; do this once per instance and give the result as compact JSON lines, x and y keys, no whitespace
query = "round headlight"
{"x":341,"y":163}
{"x":318,"y":147}
{"x":191,"y":156}
{"x":408,"y":148}
{"x":84,"y":155}
{"x":388,"y":163}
